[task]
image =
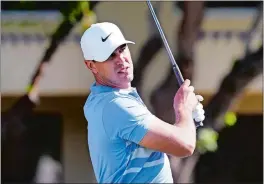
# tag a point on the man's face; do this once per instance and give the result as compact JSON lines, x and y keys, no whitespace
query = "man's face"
{"x":117,"y":70}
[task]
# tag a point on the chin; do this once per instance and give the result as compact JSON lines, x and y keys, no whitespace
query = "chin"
{"x":130,"y":77}
{"x":126,"y":83}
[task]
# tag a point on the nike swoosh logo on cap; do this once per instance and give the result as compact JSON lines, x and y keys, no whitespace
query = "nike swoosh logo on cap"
{"x":104,"y":39}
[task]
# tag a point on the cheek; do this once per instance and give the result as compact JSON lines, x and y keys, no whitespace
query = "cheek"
{"x":129,"y":59}
{"x":109,"y":70}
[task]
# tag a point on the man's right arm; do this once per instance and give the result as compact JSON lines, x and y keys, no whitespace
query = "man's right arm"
{"x":179,"y":139}
{"x":126,"y":119}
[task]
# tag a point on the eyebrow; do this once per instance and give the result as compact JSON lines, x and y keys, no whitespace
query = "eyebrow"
{"x":120,"y":47}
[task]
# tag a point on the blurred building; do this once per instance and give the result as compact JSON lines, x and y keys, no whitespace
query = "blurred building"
{"x":24,"y":37}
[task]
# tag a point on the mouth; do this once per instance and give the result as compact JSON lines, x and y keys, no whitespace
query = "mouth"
{"x":123,"y":70}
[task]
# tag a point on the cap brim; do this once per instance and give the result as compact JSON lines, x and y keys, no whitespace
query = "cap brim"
{"x":110,"y":51}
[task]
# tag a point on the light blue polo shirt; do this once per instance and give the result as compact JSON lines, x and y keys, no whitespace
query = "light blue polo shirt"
{"x":117,"y":122}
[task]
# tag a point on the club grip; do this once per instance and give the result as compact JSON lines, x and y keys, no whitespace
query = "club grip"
{"x":198,"y":124}
{"x":178,"y":74}
{"x":180,"y":80}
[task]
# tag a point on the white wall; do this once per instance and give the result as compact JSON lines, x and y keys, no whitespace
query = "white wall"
{"x":67,"y":73}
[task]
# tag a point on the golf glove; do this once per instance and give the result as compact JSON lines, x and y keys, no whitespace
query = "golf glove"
{"x":198,"y":113}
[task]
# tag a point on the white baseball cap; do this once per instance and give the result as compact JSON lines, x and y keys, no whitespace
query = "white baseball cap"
{"x":100,"y":40}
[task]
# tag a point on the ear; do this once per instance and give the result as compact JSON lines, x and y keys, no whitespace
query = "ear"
{"x":91,"y":65}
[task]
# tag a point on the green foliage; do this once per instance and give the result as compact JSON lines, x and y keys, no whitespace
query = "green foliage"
{"x":207,"y":140}
{"x":26,"y":5}
{"x":230,"y":119}
{"x":81,"y":7}
{"x":71,"y":10}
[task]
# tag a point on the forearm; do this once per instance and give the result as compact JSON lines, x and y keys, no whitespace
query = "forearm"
{"x":184,"y":122}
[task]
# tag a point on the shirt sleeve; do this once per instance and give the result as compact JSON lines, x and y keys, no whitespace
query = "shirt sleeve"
{"x":126,"y":118}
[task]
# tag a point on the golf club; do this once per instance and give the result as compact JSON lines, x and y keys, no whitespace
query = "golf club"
{"x":175,"y":67}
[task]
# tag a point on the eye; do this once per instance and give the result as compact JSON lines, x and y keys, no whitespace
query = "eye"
{"x":123,"y":47}
{"x":112,"y":55}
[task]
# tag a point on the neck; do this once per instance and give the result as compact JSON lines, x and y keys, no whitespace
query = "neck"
{"x":99,"y":81}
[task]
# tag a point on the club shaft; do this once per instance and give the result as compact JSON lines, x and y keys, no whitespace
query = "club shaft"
{"x":175,"y":67}
{"x":172,"y":60}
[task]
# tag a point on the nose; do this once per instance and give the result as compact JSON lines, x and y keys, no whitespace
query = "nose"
{"x":120,"y":59}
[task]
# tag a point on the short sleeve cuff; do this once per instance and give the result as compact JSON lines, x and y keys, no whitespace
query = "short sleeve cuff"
{"x":141,"y":130}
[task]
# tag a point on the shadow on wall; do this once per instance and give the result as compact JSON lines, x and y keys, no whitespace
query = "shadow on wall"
{"x":239,"y":157}
{"x":35,"y":153}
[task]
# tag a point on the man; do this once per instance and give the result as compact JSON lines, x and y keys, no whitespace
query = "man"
{"x":127,"y":143}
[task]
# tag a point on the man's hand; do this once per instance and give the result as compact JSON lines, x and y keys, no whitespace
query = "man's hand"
{"x":178,"y":139}
{"x":198,"y":112}
{"x":186,"y":100}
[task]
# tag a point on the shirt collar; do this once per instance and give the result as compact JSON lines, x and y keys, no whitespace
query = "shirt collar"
{"x":96,"y":89}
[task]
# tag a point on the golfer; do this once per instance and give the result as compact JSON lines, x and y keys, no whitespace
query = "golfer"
{"x":127,"y":143}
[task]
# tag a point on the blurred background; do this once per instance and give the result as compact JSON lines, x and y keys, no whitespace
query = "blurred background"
{"x":44,"y":84}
